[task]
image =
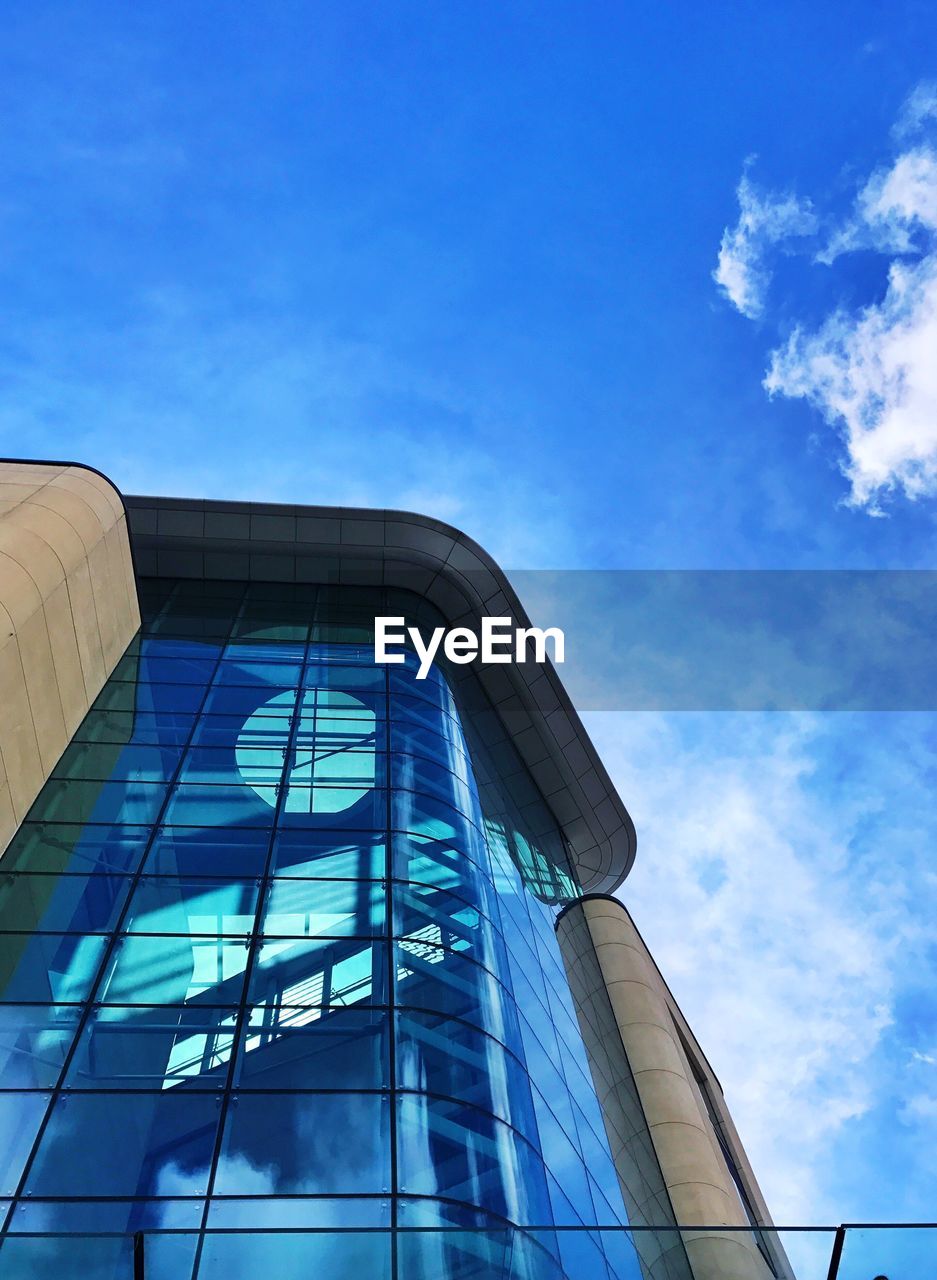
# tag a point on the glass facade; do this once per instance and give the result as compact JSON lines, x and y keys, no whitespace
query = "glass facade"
{"x":278,"y":957}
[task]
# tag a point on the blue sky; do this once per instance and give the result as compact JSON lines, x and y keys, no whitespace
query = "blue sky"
{"x":460,"y":258}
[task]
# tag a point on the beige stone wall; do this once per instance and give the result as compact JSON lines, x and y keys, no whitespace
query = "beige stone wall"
{"x":68,"y":610}
{"x":697,"y":1179}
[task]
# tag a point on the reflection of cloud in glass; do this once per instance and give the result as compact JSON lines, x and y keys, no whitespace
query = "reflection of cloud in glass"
{"x":332,"y":750}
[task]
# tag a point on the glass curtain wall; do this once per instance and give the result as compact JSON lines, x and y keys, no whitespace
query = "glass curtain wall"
{"x":267,"y":963}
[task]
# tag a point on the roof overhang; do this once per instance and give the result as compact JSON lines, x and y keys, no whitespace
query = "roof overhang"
{"x":251,"y":541}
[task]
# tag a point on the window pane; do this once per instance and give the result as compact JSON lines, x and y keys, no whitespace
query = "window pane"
{"x":305,"y":1143}
{"x":138,"y":763}
{"x":450,"y":1150}
{"x":447,"y":982}
{"x":208,"y":851}
{"x":192,"y":906}
{"x":297,"y":1256}
{"x":324,"y":972}
{"x":154,"y":970}
{"x":72,"y":800}
{"x":343,"y":807}
{"x":48,"y":968}
{"x":289,"y":1048}
{"x":424,"y":913}
{"x":329,"y":853}
{"x":122,"y":1144}
{"x":218,"y":806}
{"x":20,"y":1117}
{"x":154,"y":1048}
{"x":61,"y":904}
{"x":33,"y":1044}
{"x":324,"y":908}
{"x":438,"y":1054}
{"x":51,"y":846}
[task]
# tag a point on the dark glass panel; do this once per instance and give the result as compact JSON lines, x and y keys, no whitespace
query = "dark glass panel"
{"x":153,"y":1048}
{"x":437,"y":1054}
{"x":208,"y":851}
{"x":55,"y":847}
{"x":449,"y":982}
{"x":350,"y":678}
{"x":293,"y":1048}
{"x":48,"y":968}
{"x":61,"y":904}
{"x":244,"y":650}
{"x":124,"y":1144}
{"x":305,"y":1143}
{"x":136,"y":763}
{"x":168,"y":1257}
{"x":192,"y":906}
{"x":239,"y":701}
{"x":169,"y":728}
{"x":154,"y":699}
{"x":272,"y":676}
{"x":333,"y":971}
{"x":157,"y":665}
{"x":33,"y":1044}
{"x":451,"y":1150}
{"x":20,"y":1117}
{"x":416,"y":773}
{"x":423,"y":913}
{"x":324,"y":908}
{"x":152,"y":970}
{"x":251,"y":763}
{"x":328,"y":853}
{"x":77,"y":801}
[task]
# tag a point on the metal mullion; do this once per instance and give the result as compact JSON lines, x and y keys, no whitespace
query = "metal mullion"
{"x":253,"y":944}
{"x":391,"y":982}
{"x":114,"y":939}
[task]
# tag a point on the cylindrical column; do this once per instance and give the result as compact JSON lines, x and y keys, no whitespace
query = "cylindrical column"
{"x":697,"y":1180}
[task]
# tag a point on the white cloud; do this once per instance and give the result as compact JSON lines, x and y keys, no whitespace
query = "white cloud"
{"x":765,"y":220}
{"x":789,"y":963}
{"x":872,"y":374}
{"x":870,"y":371}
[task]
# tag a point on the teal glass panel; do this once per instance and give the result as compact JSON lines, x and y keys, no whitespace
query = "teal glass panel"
{"x":192,"y":805}
{"x":105,"y":761}
{"x":324,"y":908}
{"x":192,"y":906}
{"x":154,"y":1048}
{"x":33,"y":1044}
{"x":325,"y":971}
{"x":305,"y":1144}
{"x":154,"y":970}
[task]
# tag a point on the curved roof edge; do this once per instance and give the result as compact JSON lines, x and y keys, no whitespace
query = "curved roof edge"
{"x":204,"y":538}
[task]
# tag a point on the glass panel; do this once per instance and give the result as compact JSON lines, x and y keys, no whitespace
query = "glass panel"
{"x":324,"y":908}
{"x":305,"y":1143}
{"x":61,"y":904}
{"x":297,"y":1256}
{"x":427,"y":816}
{"x":74,"y":800}
{"x":450,"y":1150}
{"x":247,"y":672}
{"x":423,"y":913}
{"x":137,"y":763}
{"x":288,"y":1048}
{"x":154,"y":1048}
{"x":437,"y":1054}
{"x":154,"y":970}
{"x":49,"y":846}
{"x":192,"y":906}
{"x":48,"y":968}
{"x":334,"y":806}
{"x":122,"y":1144}
{"x":20,"y":1117}
{"x":319,"y":972}
{"x":300,"y":1211}
{"x":328,"y":853}
{"x":33,"y":1044}
{"x":447,"y":982}
{"x":95,"y":1258}
{"x":208,"y":851}
{"x":217,"y":806}
{"x":167,"y":728}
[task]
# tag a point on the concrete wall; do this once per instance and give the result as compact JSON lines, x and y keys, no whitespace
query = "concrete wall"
{"x":699,"y":1186}
{"x":68,"y":610}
